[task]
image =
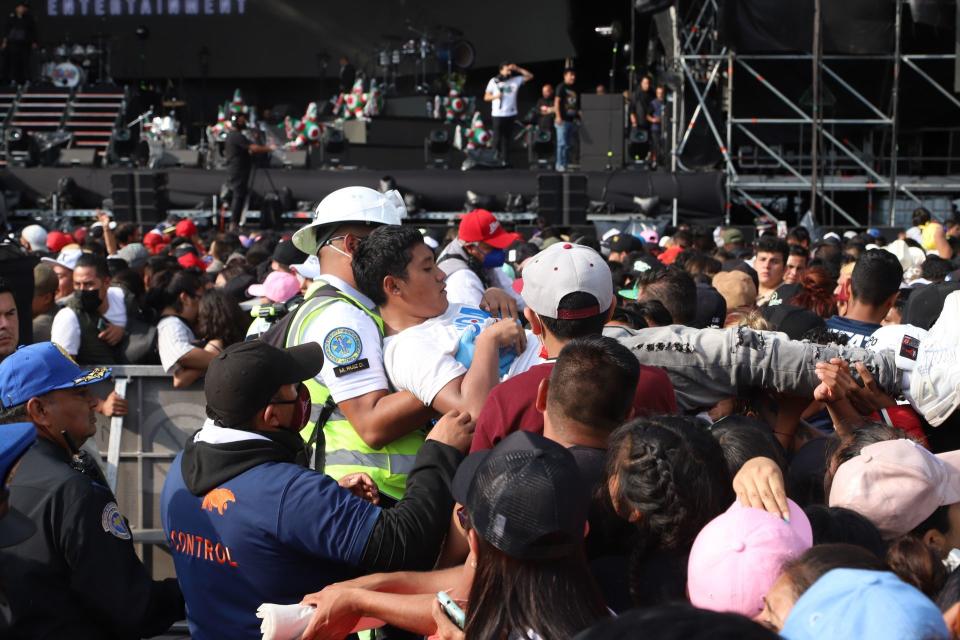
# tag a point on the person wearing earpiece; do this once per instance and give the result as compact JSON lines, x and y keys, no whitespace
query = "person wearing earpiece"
{"x":78,"y":576}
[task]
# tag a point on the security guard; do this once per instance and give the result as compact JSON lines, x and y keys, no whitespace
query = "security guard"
{"x":366,"y":428}
{"x":78,"y":577}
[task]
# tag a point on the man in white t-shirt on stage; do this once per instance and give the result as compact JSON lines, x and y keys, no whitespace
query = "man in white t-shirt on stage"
{"x":448,"y":355}
{"x":502,"y":93}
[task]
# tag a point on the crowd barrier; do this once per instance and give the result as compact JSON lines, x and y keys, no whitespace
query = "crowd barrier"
{"x":136,"y":451}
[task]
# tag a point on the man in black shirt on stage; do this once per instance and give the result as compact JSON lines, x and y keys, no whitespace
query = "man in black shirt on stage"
{"x":238,"y":149}
{"x":19,"y":38}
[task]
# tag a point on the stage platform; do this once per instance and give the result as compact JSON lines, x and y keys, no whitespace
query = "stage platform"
{"x":700,"y":195}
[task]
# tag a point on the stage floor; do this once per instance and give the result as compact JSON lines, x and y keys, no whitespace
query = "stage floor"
{"x":700,"y":195}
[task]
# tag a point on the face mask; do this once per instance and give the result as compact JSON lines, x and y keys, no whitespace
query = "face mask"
{"x":494,"y":259}
{"x":301,"y":410}
{"x":90,"y":301}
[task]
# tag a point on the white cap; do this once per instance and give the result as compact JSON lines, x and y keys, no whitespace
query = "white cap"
{"x":36,"y":236}
{"x":310,"y":268}
{"x":911,"y":258}
{"x":849,"y":234}
{"x":562,"y":269}
{"x":350,"y":204}
{"x":66,"y":259}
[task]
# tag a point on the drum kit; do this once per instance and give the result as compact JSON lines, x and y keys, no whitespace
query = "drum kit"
{"x":72,"y":65}
{"x":433,"y":49}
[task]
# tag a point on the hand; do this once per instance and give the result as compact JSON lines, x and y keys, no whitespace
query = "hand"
{"x":759,"y":484}
{"x":113,"y":405}
{"x":455,"y":429}
{"x":558,"y":121}
{"x":104,"y":219}
{"x":112,"y":335}
{"x":499,"y":303}
{"x":506,"y":333}
{"x":870,"y":397}
{"x":362,"y":486}
{"x":334,"y":618}
{"x":446,"y":630}
{"x":836,"y":383}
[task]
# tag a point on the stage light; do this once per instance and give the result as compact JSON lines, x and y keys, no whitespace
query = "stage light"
{"x":638,"y":146}
{"x":436,"y":148}
{"x":333,"y":147}
{"x":540,"y":147}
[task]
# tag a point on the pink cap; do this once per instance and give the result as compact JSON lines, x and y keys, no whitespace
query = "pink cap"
{"x":737,"y":557}
{"x":279,"y":286}
{"x":897,"y":484}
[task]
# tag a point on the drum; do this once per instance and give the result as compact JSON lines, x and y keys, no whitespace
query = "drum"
{"x":77,"y":53}
{"x":66,"y":75}
{"x":60,"y":53}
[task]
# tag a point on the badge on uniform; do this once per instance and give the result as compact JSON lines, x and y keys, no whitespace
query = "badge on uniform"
{"x":353,"y":367}
{"x":342,"y":346}
{"x":113,"y":523}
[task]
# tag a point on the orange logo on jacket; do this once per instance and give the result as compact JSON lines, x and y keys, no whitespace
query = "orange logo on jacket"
{"x":218,"y":499}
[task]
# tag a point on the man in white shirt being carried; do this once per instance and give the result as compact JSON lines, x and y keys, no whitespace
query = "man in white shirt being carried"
{"x":502,"y":93}
{"x":448,"y":355}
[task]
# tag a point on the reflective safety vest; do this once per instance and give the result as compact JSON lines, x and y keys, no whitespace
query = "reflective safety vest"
{"x":344,"y":451}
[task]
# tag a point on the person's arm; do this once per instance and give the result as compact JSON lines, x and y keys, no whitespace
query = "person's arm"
{"x":381,"y":417}
{"x":339,"y":609}
{"x":527,"y":76}
{"x":557,"y":118}
{"x":409,"y":535}
{"x":109,"y":240}
{"x":65,"y":330}
{"x":941,"y":244}
{"x":492,"y":91}
{"x":194,"y":363}
{"x":261,"y":148}
{"x":469,"y":392}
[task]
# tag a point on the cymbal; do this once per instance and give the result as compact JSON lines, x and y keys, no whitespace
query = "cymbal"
{"x":173,"y":104}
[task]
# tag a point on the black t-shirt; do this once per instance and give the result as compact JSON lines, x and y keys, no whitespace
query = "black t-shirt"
{"x":544,"y":120}
{"x":237,"y":150}
{"x":569,"y":101}
{"x":21,"y":31}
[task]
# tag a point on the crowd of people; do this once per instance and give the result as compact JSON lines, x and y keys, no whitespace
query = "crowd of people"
{"x":682,"y":433}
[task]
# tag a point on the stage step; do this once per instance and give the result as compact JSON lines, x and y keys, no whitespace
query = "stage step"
{"x":87,"y":123}
{"x":38,"y":124}
{"x":100,"y":144}
{"x":96,"y":104}
{"x":107,"y":96}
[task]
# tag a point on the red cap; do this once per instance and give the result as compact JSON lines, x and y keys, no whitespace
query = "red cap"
{"x":80,"y":234}
{"x":192,"y":261}
{"x":186,"y":229}
{"x":57,"y":240}
{"x":481,"y":226}
{"x":670,"y":255}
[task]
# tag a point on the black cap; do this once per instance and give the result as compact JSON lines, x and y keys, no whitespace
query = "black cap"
{"x":525,"y":497}
{"x":626,"y":242}
{"x":792,"y":320}
{"x":287,"y":254}
{"x":711,"y":307}
{"x":242,"y":380}
{"x":925,"y":304}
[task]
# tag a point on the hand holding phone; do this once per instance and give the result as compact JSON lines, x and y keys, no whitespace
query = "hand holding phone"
{"x":453,"y":611}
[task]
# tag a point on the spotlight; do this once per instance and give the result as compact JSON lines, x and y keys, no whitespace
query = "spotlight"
{"x":540,"y":147}
{"x":436,"y":149}
{"x":333,"y":147}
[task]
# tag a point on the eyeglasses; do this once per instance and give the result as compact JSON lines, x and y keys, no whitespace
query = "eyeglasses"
{"x":302,"y":394}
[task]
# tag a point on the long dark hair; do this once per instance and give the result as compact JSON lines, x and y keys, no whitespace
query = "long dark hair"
{"x":553,"y":598}
{"x":166,"y":287}
{"x":220,"y":317}
{"x":672,"y":472}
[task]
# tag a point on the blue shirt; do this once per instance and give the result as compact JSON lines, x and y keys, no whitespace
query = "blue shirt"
{"x":860,"y":332}
{"x":274,"y":533}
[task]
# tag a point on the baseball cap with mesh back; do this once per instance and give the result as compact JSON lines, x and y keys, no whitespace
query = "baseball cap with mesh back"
{"x":525,"y":497}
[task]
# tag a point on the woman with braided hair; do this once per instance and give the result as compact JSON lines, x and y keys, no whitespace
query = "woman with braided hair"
{"x":666,"y":476}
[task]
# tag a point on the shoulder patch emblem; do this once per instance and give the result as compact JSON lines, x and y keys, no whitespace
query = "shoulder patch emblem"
{"x":113,"y":523}
{"x":342,"y":346}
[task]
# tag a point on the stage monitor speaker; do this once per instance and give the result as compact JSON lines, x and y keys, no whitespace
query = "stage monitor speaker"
{"x":603,"y":122}
{"x":81,"y":157}
{"x":563,"y":198}
{"x":294,"y":159}
{"x":184,"y":157}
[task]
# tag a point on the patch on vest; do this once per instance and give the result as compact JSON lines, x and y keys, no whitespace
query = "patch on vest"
{"x":113,"y":523}
{"x":342,"y":346}
{"x":353,"y":367}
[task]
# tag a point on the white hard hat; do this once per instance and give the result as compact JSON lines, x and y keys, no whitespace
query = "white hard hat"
{"x":349,"y":204}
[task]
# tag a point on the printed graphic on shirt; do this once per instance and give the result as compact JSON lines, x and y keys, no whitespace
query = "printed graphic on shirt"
{"x":113,"y":523}
{"x":342,"y":346}
{"x":218,"y":500}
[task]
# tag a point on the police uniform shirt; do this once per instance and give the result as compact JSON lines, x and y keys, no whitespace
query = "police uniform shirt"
{"x":78,"y":576}
{"x":272,"y":533}
{"x":423,"y":359}
{"x":351,"y":341}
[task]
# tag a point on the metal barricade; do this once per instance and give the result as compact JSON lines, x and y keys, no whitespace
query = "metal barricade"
{"x":138,"y":448}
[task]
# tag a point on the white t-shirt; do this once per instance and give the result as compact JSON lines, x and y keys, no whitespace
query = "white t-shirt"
{"x":422,"y":359}
{"x":66,"y":326}
{"x":174,"y":340}
{"x":352,"y":351}
{"x":505,"y":105}
{"x":464,"y":286}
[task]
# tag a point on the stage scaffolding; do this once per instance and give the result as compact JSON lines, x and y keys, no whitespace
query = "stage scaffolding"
{"x":760,"y":170}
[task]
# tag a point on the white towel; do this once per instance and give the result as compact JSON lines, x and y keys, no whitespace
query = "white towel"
{"x":289,"y":621}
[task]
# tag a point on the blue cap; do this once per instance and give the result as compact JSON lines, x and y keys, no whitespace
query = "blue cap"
{"x":40,"y":368}
{"x":15,"y":439}
{"x":873,"y":231}
{"x":854,"y":603}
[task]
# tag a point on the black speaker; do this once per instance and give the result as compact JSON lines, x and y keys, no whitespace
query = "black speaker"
{"x":603,"y":122}
{"x":140,"y":196}
{"x":563,"y":198}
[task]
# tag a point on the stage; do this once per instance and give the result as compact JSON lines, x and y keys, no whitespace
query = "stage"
{"x":700,"y":195}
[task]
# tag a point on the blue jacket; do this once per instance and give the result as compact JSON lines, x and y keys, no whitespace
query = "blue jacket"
{"x":273,"y":533}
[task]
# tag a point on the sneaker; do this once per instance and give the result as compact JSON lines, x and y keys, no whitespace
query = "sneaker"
{"x":935,"y":380}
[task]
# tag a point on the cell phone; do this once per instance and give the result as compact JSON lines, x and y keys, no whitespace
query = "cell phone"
{"x":101,"y":324}
{"x":452,"y":609}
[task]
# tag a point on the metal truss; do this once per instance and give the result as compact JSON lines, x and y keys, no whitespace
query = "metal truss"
{"x":707,"y":68}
